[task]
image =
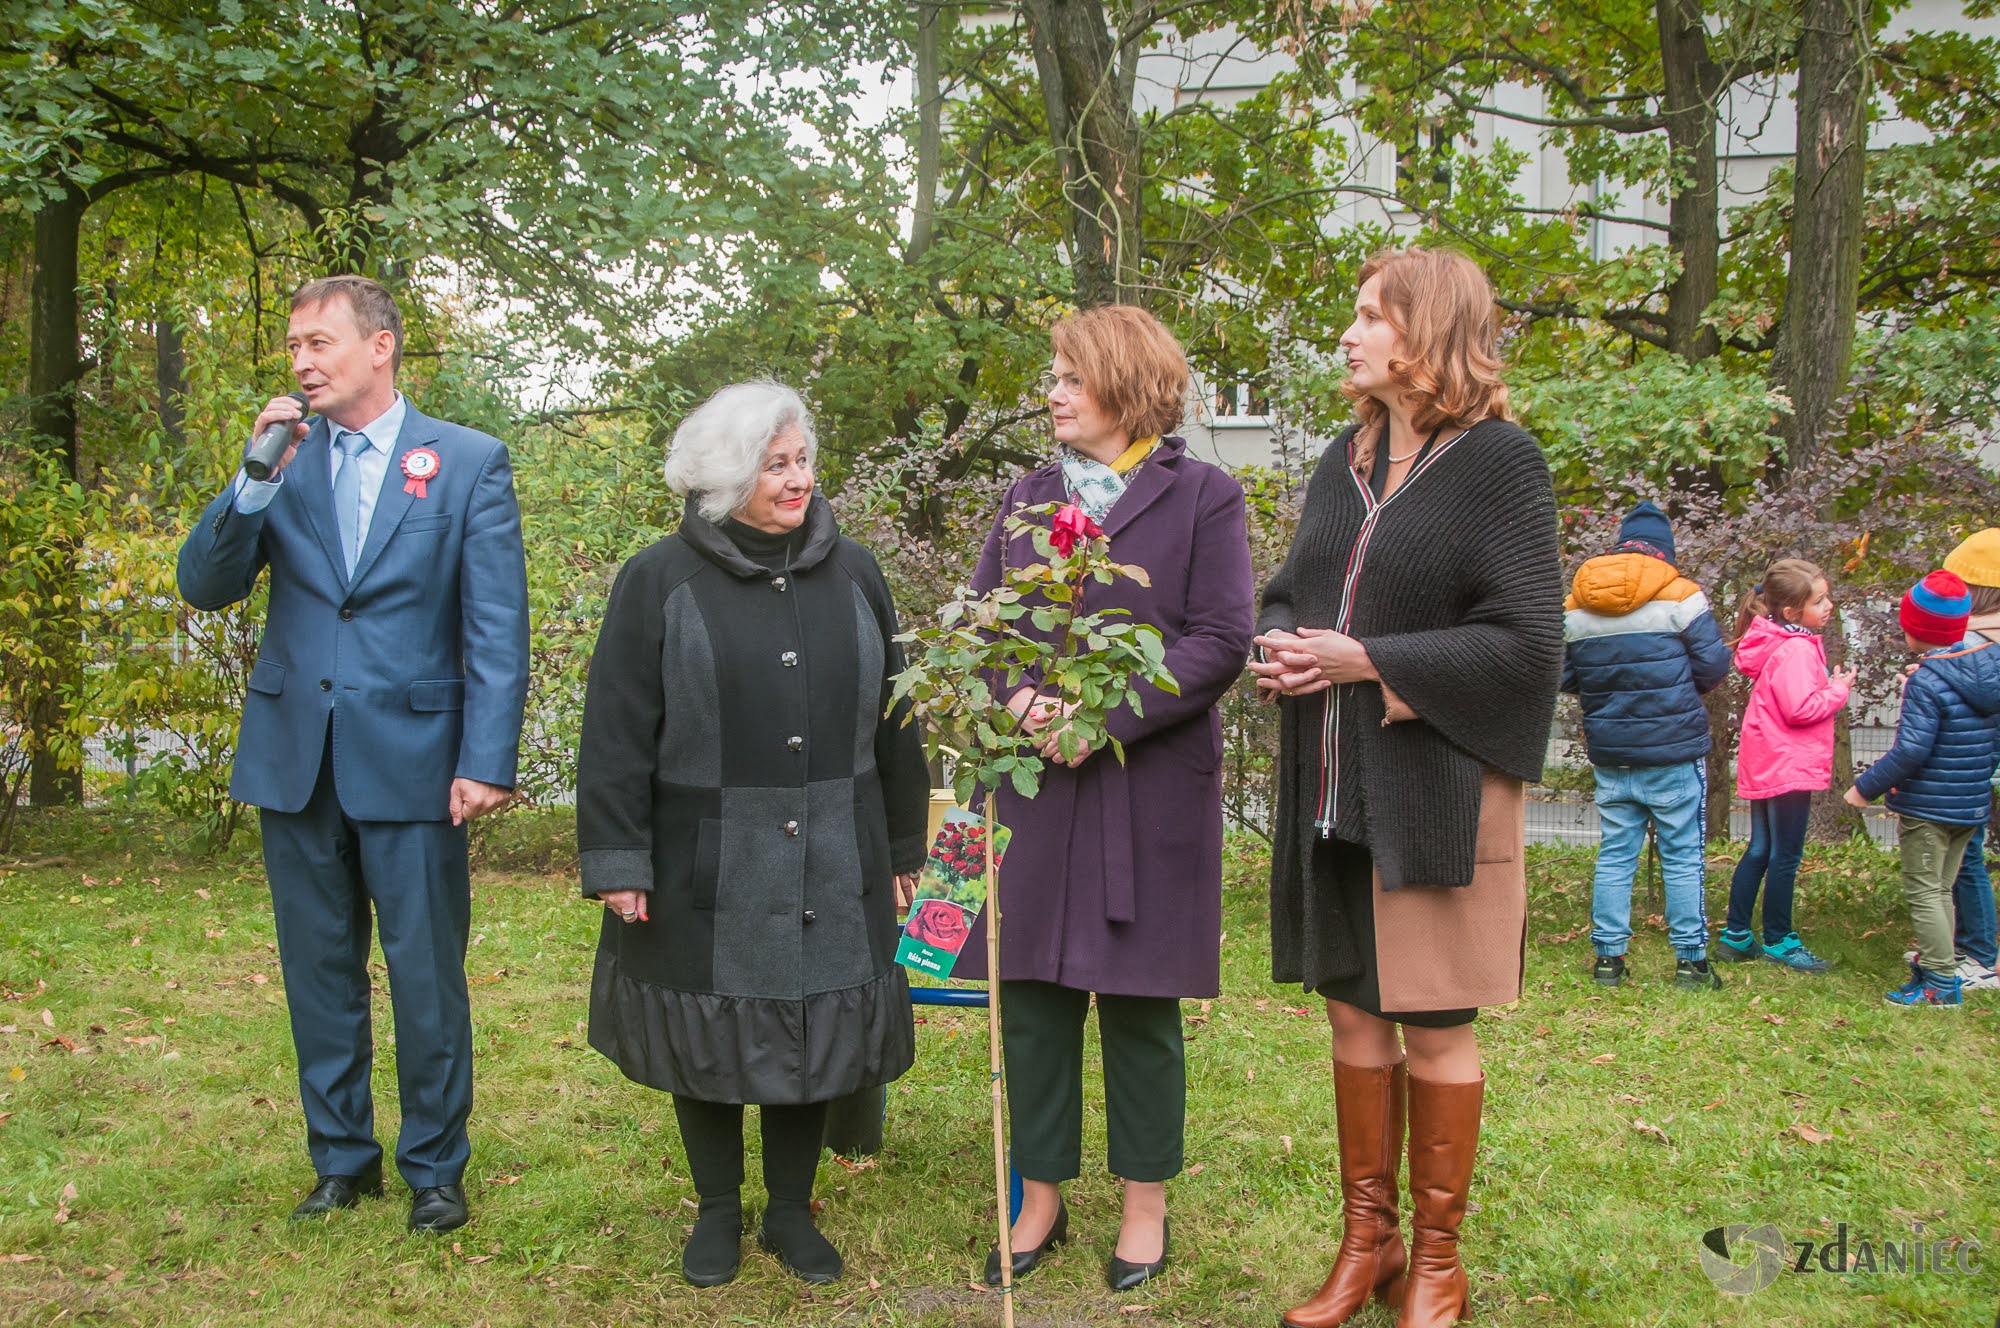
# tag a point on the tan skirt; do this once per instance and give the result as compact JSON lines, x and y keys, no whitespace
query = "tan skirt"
{"x":1461,"y":947}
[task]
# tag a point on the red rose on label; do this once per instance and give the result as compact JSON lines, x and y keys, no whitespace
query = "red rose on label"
{"x":941,"y":923}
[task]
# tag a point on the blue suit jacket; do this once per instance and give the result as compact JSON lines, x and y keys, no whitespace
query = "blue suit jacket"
{"x":420,"y":658}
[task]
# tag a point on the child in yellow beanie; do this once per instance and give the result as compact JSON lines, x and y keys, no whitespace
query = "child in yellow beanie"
{"x":1977,"y":563}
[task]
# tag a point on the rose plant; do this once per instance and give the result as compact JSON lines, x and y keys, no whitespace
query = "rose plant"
{"x":964,"y":666}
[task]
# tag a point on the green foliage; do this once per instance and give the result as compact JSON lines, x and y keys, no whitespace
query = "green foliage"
{"x":964,"y":667}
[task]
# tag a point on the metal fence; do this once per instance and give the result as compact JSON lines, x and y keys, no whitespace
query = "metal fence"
{"x":1570,"y":817}
{"x":1555,"y":816}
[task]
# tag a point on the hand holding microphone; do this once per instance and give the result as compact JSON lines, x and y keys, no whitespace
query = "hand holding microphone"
{"x":275,"y":437}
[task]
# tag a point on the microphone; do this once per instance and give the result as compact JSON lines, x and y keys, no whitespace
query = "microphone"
{"x":267,"y":449}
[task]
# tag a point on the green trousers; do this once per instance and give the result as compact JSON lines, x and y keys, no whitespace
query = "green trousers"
{"x":1145,"y":1081}
{"x":1931,"y":856}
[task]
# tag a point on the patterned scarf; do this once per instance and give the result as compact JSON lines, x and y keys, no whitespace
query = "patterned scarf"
{"x":1096,"y":487}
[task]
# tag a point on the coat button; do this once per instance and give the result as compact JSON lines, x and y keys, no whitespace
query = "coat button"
{"x":795,"y":742}
{"x":326,"y":684}
{"x":778,"y":584}
{"x":809,"y":917}
{"x":790,"y":659}
{"x":792,"y":828}
{"x":347,"y":615}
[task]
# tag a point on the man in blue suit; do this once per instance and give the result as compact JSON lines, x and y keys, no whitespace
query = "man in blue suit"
{"x":383,"y":714}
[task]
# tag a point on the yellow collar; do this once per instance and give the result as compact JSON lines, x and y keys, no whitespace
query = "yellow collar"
{"x":1134,"y":454}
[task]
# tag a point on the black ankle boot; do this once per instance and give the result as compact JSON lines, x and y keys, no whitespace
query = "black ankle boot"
{"x":715,"y":1249}
{"x":789,"y":1235}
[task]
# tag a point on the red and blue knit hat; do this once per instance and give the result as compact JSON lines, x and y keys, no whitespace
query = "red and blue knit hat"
{"x":1936,"y":608}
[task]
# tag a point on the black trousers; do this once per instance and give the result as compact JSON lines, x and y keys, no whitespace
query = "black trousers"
{"x":712,"y":1133}
{"x":1145,"y":1081}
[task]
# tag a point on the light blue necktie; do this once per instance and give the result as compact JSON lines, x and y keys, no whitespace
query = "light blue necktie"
{"x":347,"y":494}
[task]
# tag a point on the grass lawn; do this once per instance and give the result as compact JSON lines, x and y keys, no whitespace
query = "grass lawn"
{"x":151,"y":1141}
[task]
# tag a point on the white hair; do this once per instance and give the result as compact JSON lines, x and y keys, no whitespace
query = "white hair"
{"x":719,"y":448}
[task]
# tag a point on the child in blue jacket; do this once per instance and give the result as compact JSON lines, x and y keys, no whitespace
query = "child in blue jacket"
{"x":1938,"y":773}
{"x":1640,"y":648}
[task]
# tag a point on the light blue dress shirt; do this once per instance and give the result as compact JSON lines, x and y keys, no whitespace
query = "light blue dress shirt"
{"x":382,"y":433}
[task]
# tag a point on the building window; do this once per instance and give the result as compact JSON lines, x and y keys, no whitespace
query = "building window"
{"x":1239,"y":398}
{"x":1423,"y":161}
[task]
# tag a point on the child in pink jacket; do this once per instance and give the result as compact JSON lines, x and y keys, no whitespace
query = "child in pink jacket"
{"x":1786,"y":753}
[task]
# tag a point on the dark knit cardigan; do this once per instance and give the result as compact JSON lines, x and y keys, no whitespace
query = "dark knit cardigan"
{"x":1454,"y":585}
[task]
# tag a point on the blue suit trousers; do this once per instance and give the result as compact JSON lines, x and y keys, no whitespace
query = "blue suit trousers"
{"x":333,"y":879}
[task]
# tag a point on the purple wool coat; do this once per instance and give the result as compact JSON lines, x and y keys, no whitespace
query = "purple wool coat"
{"x":1113,"y":880}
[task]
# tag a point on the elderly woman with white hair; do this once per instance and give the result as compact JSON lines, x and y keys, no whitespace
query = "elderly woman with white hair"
{"x":749,"y":818}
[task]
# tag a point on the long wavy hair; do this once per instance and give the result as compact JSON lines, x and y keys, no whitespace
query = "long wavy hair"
{"x":1442,"y":305}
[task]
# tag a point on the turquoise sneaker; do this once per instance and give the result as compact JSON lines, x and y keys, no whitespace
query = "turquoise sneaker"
{"x":1735,"y":947}
{"x":1792,"y":953}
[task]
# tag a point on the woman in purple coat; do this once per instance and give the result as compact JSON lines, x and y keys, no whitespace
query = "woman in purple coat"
{"x":1112,"y":883}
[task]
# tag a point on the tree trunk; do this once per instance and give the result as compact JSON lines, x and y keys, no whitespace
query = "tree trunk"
{"x":54,"y":364}
{"x":1816,"y":338}
{"x":1096,"y":141}
{"x":1694,"y":227}
{"x":930,"y":127}
{"x":170,"y":373}
{"x":1725,"y":719}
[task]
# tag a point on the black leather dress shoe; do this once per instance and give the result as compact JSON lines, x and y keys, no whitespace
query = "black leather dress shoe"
{"x":1125,"y":1276}
{"x":335,"y":1192}
{"x":1025,"y":1260}
{"x":438,"y":1208}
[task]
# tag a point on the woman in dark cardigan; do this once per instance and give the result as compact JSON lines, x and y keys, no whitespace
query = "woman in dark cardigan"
{"x":742,"y":806}
{"x":1112,"y":883}
{"x":1415,"y":632}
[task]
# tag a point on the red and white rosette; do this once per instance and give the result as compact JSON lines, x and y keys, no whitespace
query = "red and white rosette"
{"x":420,"y":466}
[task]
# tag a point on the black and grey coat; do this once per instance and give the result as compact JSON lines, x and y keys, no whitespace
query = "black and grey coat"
{"x":736,"y":764}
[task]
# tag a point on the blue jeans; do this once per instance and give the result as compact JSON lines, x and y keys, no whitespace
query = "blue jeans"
{"x":1673,"y":799}
{"x":1972,"y":894}
{"x":1777,"y":842}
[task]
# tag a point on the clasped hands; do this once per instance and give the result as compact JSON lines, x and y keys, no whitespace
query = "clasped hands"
{"x":1313,"y":659}
{"x":1049,"y":718}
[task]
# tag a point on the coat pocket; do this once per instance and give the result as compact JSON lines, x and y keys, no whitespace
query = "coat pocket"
{"x":267,"y":677}
{"x":438,"y":694}
{"x":418,"y":525}
{"x":707,"y":864}
{"x":1502,"y":819}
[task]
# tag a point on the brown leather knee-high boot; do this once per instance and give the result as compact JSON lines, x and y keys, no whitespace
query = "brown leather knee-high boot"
{"x":1444,"y":1139}
{"x":1368,"y":1104}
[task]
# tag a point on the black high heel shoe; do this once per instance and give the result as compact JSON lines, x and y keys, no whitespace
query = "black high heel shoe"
{"x":1123,"y":1276}
{"x":1025,"y":1260}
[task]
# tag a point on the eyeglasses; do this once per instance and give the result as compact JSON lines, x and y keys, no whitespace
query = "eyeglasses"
{"x":1070,"y":384}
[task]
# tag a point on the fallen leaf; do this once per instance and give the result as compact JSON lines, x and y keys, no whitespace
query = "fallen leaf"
{"x":1286,"y":1140}
{"x":22,"y":1258}
{"x":1643,"y":1128}
{"x":1606,"y":1058}
{"x":1713,"y":1105}
{"x":1195,"y":1170}
{"x":857,"y":1164}
{"x":259,"y":979}
{"x":67,"y":1197}
{"x":147,"y":1041}
{"x":16,"y":1075}
{"x":201,"y":894}
{"x":66,"y":1043}
{"x":48,"y":1020}
{"x":1809,"y":1134}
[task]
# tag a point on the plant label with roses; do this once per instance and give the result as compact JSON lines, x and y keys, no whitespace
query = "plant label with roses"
{"x":949,"y":895}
